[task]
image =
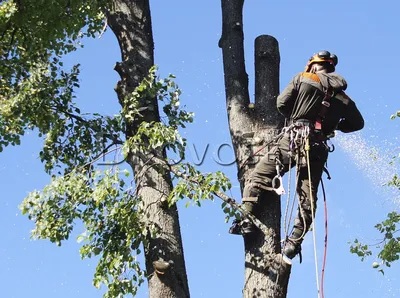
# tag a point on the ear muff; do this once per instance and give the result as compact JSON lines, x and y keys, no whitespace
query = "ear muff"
{"x":334,"y":59}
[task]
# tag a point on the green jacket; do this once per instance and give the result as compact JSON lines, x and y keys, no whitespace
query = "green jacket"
{"x":302,"y":99}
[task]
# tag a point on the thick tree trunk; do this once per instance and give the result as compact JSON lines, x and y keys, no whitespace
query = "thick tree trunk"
{"x":131,"y":23}
{"x":266,"y":274}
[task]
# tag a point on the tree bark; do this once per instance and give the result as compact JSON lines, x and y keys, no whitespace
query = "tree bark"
{"x":131,"y":23}
{"x":267,"y":59}
{"x":251,"y":127}
{"x":236,"y":78}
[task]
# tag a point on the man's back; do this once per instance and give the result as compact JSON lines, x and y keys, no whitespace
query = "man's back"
{"x":302,"y":98}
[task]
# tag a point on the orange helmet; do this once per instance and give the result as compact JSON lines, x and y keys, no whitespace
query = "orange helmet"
{"x":323,"y":56}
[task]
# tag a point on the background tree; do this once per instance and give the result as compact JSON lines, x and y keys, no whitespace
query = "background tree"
{"x":119,"y":217}
{"x":37,"y":93}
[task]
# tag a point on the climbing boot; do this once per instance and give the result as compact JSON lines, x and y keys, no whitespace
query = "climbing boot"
{"x":242,"y":227}
{"x":292,"y":249}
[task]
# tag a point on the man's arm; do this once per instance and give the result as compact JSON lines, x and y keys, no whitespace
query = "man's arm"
{"x":285,"y":100}
{"x":353,"y":120}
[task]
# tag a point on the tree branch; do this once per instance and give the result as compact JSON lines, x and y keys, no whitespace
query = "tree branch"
{"x":219,"y":194}
{"x":231,"y":42}
{"x":112,"y":138}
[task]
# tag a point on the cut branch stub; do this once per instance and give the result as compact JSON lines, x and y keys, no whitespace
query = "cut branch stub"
{"x":267,"y":60}
{"x":231,"y":42}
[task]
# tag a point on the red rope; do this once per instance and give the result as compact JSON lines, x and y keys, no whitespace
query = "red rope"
{"x":326,"y":240}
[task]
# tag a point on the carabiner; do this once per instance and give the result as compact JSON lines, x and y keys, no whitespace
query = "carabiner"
{"x":277,"y":185}
{"x":330,"y":148}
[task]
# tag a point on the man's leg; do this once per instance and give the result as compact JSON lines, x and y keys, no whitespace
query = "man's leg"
{"x":257,"y":184}
{"x":303,"y":221}
{"x":260,"y":183}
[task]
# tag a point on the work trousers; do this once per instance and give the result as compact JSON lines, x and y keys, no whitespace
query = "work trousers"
{"x":265,"y":171}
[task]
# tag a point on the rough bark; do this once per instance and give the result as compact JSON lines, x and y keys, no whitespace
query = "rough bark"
{"x":236,"y":78}
{"x":266,"y":274}
{"x":267,"y":59}
{"x":131,"y":23}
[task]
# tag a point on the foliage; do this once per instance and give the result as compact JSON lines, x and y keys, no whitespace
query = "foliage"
{"x":109,"y":211}
{"x":39,"y":32}
{"x":200,"y":186}
{"x":163,"y":134}
{"x":389,"y":247}
{"x":36,"y":92}
{"x":397,"y":114}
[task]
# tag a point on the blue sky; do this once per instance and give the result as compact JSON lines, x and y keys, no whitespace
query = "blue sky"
{"x":364,"y":35}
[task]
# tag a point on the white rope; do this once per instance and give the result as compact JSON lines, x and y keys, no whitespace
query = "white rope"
{"x":285,"y":224}
{"x":312,"y":214}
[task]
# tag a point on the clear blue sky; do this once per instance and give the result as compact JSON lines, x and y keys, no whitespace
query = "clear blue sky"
{"x":364,"y":35}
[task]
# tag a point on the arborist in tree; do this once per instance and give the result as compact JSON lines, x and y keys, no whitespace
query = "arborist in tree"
{"x":314,"y":105}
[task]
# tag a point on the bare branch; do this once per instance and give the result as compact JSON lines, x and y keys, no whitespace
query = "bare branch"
{"x":104,"y":28}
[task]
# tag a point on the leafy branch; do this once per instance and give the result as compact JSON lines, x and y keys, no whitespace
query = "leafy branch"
{"x":388,"y":248}
{"x":397,"y":114}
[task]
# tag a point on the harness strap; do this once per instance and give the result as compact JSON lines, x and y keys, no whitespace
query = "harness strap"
{"x":250,"y":199}
{"x":323,"y":110}
{"x":258,"y":185}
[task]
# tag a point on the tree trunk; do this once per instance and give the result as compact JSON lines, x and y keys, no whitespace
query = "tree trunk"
{"x":131,"y":23}
{"x":251,"y":127}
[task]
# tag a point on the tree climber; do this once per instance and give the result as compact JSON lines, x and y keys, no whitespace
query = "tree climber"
{"x":314,"y":104}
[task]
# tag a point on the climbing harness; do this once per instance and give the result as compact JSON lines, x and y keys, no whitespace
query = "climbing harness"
{"x":300,"y":139}
{"x":323,"y":110}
